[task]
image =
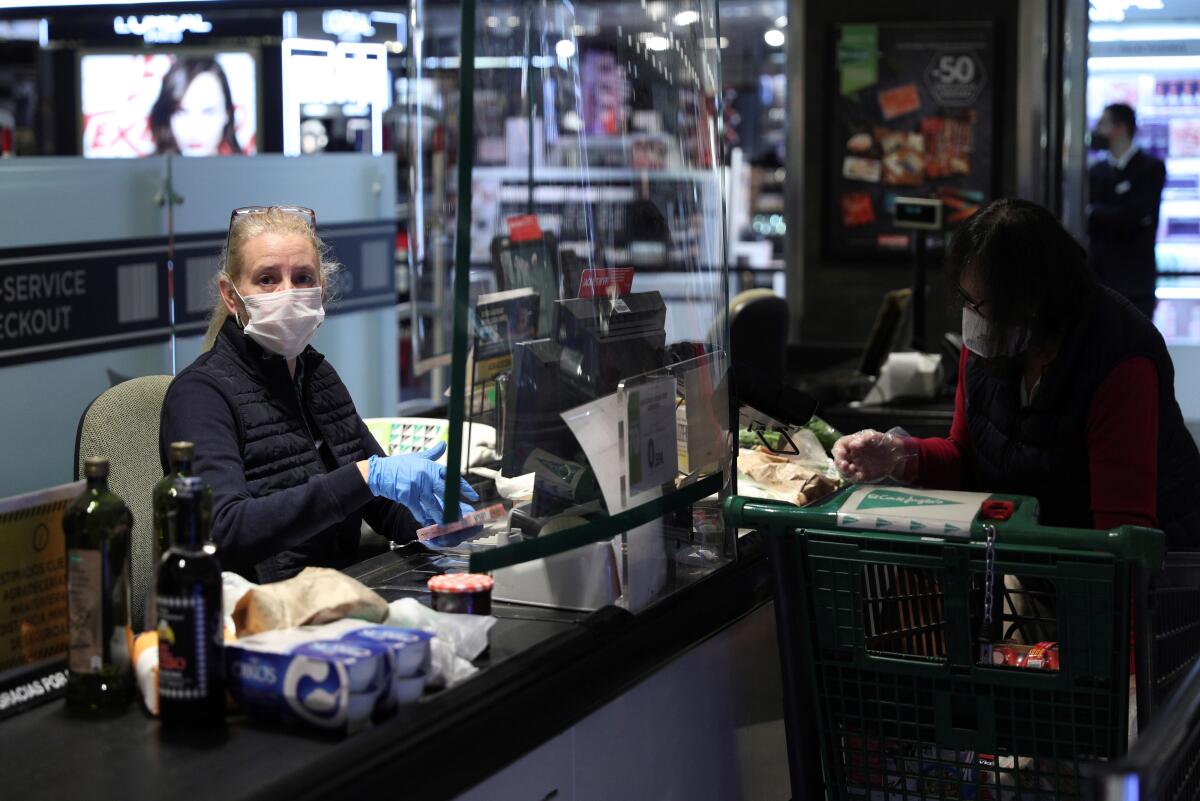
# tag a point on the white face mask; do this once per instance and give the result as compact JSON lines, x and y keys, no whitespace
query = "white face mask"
{"x":977,"y":337}
{"x":284,"y":322}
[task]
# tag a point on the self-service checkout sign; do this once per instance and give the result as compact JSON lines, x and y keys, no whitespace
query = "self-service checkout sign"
{"x":933,"y":513}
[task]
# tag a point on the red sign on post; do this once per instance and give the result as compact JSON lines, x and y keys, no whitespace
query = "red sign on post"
{"x":524,"y":228}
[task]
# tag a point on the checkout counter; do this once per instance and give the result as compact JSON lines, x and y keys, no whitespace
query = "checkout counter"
{"x":566,"y":705}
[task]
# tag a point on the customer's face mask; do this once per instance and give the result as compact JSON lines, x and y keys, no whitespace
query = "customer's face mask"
{"x":284,"y":321}
{"x":977,"y":337}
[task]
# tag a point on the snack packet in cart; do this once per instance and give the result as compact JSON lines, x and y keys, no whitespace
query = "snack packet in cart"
{"x":944,"y":773}
{"x":1043,"y":656}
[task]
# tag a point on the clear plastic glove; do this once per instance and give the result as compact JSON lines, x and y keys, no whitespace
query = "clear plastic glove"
{"x":417,"y":481}
{"x":873,"y":456}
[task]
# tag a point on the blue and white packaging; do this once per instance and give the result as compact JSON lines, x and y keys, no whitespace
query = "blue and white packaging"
{"x":280,"y":675}
{"x":409,"y":657}
{"x":367,"y":663}
{"x":409,"y":647}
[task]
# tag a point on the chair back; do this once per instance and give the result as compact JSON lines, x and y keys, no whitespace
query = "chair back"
{"x":122,"y":425}
{"x":758,"y":331}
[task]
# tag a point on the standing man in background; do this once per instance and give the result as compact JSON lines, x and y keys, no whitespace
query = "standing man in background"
{"x":1123,"y":213}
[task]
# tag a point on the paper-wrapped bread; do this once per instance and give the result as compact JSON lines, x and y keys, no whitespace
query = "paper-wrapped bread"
{"x":792,"y":480}
{"x":317,"y":595}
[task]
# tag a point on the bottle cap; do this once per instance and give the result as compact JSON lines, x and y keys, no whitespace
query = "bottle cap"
{"x":182,"y":451}
{"x":95,"y":467}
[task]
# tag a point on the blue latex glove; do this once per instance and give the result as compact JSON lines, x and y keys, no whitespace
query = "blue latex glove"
{"x":417,"y":481}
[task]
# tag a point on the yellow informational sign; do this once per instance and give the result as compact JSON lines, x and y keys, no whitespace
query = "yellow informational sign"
{"x":33,"y":594}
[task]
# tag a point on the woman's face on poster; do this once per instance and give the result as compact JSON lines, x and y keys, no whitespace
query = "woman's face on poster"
{"x":200,"y":120}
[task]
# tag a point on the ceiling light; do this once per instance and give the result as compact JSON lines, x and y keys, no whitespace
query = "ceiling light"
{"x":724,"y":42}
{"x":781,"y":22}
{"x":658,"y":43}
{"x":774,"y":37}
{"x":493,"y":22}
{"x":565,"y":49}
{"x":514,"y":21}
{"x":578,"y":30}
{"x":687,"y":18}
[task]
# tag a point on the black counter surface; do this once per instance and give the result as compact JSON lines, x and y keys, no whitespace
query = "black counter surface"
{"x":544,"y":671}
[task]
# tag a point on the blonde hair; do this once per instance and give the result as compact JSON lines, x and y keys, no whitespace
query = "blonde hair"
{"x":230,"y":263}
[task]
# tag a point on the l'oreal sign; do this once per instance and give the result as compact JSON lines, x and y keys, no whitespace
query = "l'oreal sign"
{"x":347,"y":26}
{"x":161,"y":28}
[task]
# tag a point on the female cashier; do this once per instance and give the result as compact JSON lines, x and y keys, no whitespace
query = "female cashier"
{"x":292,"y":466}
{"x":1065,"y":390}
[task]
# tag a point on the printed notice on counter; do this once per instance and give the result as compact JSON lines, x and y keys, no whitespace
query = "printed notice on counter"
{"x":33,"y":596}
{"x":932,"y":513}
{"x":653,"y":459}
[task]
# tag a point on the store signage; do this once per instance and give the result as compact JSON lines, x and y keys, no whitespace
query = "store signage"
{"x":347,"y":26}
{"x":33,"y":598}
{"x":914,"y":117}
{"x":71,"y":299}
{"x":161,"y":28}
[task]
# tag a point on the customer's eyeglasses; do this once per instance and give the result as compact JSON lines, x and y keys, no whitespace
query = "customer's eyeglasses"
{"x":303,"y":212}
{"x":970,"y":302}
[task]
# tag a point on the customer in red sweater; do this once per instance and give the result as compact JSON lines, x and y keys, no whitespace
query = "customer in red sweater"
{"x":1065,"y":390}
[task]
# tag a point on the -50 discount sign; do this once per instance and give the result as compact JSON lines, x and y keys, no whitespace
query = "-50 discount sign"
{"x":955,"y":78}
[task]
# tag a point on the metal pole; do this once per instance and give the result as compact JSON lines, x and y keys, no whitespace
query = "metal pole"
{"x":918,"y":291}
{"x":462,"y":260}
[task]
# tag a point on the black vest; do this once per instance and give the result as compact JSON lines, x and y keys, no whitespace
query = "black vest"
{"x":278,"y":450}
{"x":1041,"y":450}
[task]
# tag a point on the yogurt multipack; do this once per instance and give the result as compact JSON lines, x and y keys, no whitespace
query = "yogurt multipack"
{"x":332,"y":677}
{"x":409,"y":656}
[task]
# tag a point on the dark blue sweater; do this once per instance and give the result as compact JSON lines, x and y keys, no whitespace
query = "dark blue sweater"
{"x":280,"y":457}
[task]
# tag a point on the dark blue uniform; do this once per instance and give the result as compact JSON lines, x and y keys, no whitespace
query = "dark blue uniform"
{"x":1122,"y":224}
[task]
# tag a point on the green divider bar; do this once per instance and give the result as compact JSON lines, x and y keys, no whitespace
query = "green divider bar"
{"x":595,"y":531}
{"x":462,"y":260}
{"x":1144,"y":547}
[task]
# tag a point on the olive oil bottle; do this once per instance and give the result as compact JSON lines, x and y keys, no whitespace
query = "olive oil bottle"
{"x":100,"y":639}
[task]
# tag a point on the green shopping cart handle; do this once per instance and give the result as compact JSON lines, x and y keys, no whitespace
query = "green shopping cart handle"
{"x":1145,"y":547}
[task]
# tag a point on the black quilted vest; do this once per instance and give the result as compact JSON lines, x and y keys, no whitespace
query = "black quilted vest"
{"x":277,"y":449}
{"x":1041,"y":450}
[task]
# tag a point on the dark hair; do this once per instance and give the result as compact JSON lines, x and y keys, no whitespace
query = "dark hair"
{"x":1035,"y":275}
{"x":174,"y":84}
{"x":1123,"y":114}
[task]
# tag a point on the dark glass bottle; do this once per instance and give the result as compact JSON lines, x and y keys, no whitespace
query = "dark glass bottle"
{"x":181,"y":456}
{"x":191,"y":623}
{"x":97,"y":525}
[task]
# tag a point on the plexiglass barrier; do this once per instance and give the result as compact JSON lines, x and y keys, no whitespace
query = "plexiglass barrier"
{"x":564,"y":159}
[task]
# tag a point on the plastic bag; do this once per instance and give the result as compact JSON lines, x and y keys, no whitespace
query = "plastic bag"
{"x":468,"y":634}
{"x":457,"y":638}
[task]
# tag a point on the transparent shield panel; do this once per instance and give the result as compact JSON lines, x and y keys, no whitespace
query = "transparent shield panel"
{"x":593,"y":341}
{"x":431,"y":94}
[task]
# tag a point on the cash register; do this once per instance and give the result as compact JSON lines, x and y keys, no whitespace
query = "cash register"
{"x":597,"y":342}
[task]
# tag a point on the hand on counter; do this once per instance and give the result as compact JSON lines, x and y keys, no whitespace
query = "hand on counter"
{"x":417,"y":481}
{"x":872,"y":455}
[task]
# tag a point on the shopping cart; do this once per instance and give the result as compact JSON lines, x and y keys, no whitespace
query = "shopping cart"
{"x":905,"y":621}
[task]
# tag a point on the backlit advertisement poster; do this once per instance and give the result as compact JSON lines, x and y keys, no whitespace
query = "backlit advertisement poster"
{"x":913,"y":116}
{"x":191,"y":103}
